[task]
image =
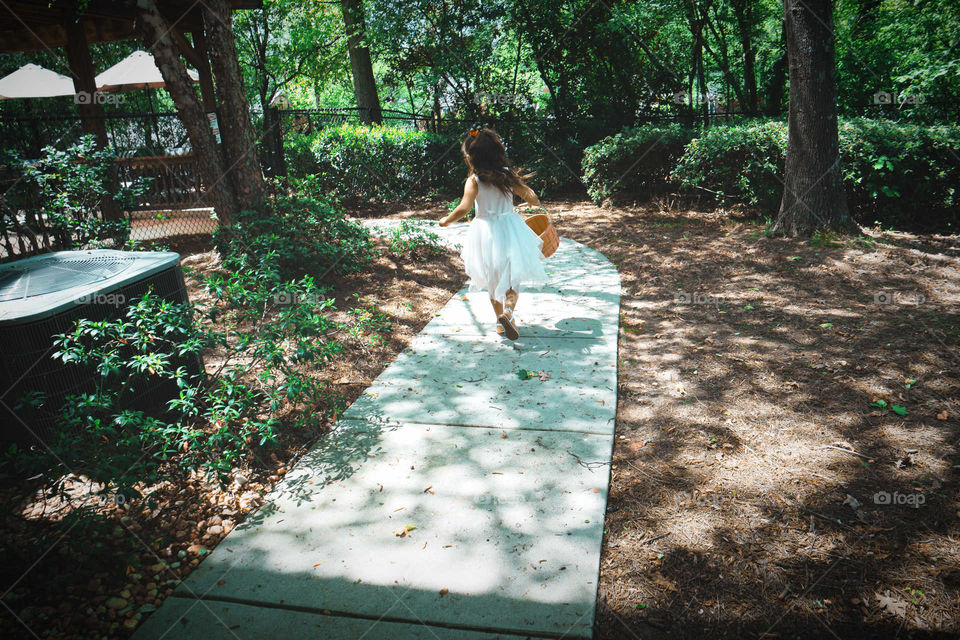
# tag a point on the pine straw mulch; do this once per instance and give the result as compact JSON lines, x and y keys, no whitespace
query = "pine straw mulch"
{"x":749,"y":458}
{"x":98,"y":577}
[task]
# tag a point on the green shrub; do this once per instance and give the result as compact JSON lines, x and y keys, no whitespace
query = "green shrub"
{"x":554,"y":165}
{"x":415,"y":239}
{"x":309,"y":233}
{"x":358,"y":162}
{"x":740,"y":163}
{"x":904,"y":174}
{"x":633,"y":160}
{"x":298,"y":154}
{"x":211,"y":420}
{"x":53,"y":203}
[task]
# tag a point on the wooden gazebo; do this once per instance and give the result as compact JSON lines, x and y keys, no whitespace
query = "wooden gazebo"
{"x":163,"y":26}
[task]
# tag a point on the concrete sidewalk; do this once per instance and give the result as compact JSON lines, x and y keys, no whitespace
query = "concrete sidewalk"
{"x":453,"y":500}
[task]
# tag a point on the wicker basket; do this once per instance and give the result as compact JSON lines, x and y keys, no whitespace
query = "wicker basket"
{"x":542,"y":226}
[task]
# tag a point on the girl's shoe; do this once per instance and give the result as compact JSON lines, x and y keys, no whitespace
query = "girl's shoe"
{"x":506,"y":323}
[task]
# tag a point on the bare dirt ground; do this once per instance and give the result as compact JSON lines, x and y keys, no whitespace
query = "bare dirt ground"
{"x":788,"y":428}
{"x":89,"y":578}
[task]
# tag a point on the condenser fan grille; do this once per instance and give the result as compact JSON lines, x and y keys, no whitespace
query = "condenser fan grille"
{"x":50,"y":274}
{"x":43,"y":296}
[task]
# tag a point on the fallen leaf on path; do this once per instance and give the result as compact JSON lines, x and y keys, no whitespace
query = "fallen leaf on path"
{"x":892,"y":605}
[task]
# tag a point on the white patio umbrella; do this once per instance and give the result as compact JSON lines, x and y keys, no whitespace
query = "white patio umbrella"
{"x":33,"y":81}
{"x":136,"y":71}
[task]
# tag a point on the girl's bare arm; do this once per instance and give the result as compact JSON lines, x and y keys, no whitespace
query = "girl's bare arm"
{"x":466,"y":203}
{"x":528,"y":195}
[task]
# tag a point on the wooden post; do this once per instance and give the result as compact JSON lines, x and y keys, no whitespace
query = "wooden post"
{"x":273,"y":137}
{"x":84,"y":82}
{"x":85,"y":89}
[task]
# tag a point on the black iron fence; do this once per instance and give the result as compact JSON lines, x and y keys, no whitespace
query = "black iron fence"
{"x":154,"y":146}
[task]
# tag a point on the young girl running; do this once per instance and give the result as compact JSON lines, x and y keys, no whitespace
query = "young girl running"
{"x":500,"y":251}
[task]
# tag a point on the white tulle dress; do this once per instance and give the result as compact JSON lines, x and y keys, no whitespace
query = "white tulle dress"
{"x":500,"y":252}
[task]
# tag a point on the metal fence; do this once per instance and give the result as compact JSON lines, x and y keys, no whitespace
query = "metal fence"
{"x":153,"y":146}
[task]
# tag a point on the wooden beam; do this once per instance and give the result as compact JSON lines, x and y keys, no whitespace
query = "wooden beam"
{"x":84,"y":82}
{"x":186,"y":49}
{"x":85,"y":88}
{"x":30,"y":25}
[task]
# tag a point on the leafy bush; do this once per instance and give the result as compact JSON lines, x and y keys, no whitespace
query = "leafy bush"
{"x":740,"y":163}
{"x":892,"y":172}
{"x":414,"y":238}
{"x":113,"y":437}
{"x":298,"y":154}
{"x":361,"y":163}
{"x":358,"y":162}
{"x":54,"y":203}
{"x":632,"y":160}
{"x":305,"y":231}
{"x":367,"y":324}
{"x":900,"y":173}
{"x":554,"y":165}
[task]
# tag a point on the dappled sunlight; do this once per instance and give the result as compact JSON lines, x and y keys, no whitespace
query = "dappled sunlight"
{"x":468,"y":483}
{"x":781,"y":349}
{"x":429,"y":508}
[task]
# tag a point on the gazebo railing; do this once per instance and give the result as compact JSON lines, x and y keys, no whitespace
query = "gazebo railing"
{"x":173,"y":181}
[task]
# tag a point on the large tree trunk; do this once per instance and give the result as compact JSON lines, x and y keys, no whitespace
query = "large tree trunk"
{"x":364,"y":84}
{"x":239,"y":140}
{"x":156,"y":37}
{"x":813,"y":197}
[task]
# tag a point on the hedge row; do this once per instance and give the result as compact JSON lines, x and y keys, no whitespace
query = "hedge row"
{"x":362,"y":163}
{"x":633,"y":160}
{"x":357,"y":162}
{"x":892,"y":172}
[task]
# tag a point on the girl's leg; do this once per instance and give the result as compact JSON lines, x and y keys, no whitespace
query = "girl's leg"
{"x":497,"y":312}
{"x":512,"y":299}
{"x":505,"y":317}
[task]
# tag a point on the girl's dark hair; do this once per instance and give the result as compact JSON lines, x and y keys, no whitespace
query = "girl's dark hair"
{"x":486,"y":156}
